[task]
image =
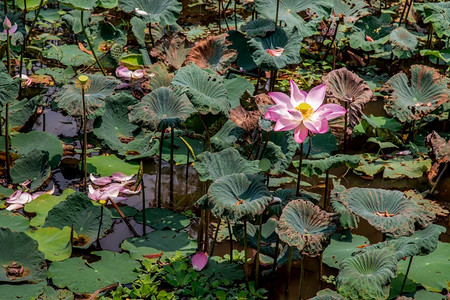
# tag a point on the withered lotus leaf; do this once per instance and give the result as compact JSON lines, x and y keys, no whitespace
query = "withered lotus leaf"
{"x":172,"y":49}
{"x":441,"y":153}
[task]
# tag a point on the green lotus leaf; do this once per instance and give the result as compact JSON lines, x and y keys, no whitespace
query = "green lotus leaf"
{"x":412,"y":100}
{"x":22,"y":291}
{"x":160,"y":218}
{"x":398,"y":167}
{"x":402,"y":247}
{"x":9,"y":88}
{"x":21,"y":112}
{"x":99,"y":87}
{"x":368,"y":275}
{"x":162,"y":76}
{"x":346,"y":86}
{"x":283,"y":257}
{"x":162,"y":108}
{"x":5,"y":192}
{"x":206,"y":91}
{"x":305,"y":226}
{"x":429,"y":270}
{"x":370,"y":32}
{"x":128,"y":211}
{"x":287,"y":195}
{"x":80,"y":4}
{"x":18,"y":250}
{"x":14,"y":221}
{"x":166,"y":242}
{"x":268,"y":236}
{"x":382,"y":128}
{"x":239,"y":43}
{"x":25,"y":143}
{"x":236,"y":88}
{"x":73,"y":19}
{"x":429,"y":208}
{"x":212,"y":166}
{"x":443,"y":55}
{"x":43,"y":204}
{"x":227,"y":136}
{"x":288,"y":39}
{"x":239,"y":196}
{"x":103,"y":165}
{"x":403,"y":42}
{"x":427,"y":240}
{"x":218,"y":269}
{"x":69,"y":55}
{"x":396,"y":286}
{"x":31,"y":166}
{"x":322,"y":145}
{"x":342,"y":246}
{"x":53,"y":242}
{"x":164,"y":12}
{"x":78,"y":211}
{"x":289,"y":12}
{"x":31,"y":4}
{"x":60,"y":294}
{"x":258,"y":27}
{"x":212,"y":53}
{"x":327,"y":294}
{"x":351,"y":10}
{"x":59,"y":75}
{"x":280,"y":150}
{"x":138,"y":28}
{"x":425,"y":295}
{"x":439,"y":15}
{"x":203,"y":202}
{"x":320,"y":166}
{"x":180,"y":150}
{"x":112,"y":267}
{"x":102,"y":33}
{"x":387,"y":211}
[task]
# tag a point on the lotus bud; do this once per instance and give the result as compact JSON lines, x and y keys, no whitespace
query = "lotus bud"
{"x":199,"y":261}
{"x":7,"y":23}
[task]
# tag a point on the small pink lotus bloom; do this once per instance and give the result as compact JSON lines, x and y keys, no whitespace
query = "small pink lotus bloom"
{"x":8,"y":27}
{"x":100,"y":181}
{"x":199,"y":261}
{"x":275,"y":52}
{"x":302,"y":111}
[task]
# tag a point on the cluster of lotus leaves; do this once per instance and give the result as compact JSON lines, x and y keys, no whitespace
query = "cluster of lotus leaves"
{"x":282,"y":197}
{"x":388,"y":211}
{"x":165,"y":12}
{"x":305,"y":226}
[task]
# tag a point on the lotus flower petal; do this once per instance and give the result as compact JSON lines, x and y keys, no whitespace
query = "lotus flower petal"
{"x":14,"y":206}
{"x":100,"y":181}
{"x":199,"y":261}
{"x":124,"y":72}
{"x":120,"y":177}
{"x":19,"y":197}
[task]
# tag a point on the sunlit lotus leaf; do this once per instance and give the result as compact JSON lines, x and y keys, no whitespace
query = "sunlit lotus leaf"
{"x":239,"y":196}
{"x":268,"y":236}
{"x":387,"y":211}
{"x":212,"y":53}
{"x":9,"y":88}
{"x":320,"y":166}
{"x":383,"y":128}
{"x":289,"y":12}
{"x":59,"y":75}
{"x":161,"y":77}
{"x":160,"y":218}
{"x":370,"y":32}
{"x":398,"y":167}
{"x":258,"y":27}
{"x":425,"y":295}
{"x":288,"y":39}
{"x":25,"y":143}
{"x":90,"y":4}
{"x":367,"y":275}
{"x":166,"y":242}
{"x":22,"y":112}
{"x":22,"y":291}
{"x":78,"y":211}
{"x":53,"y":242}
{"x":327,"y":294}
{"x":283,"y":196}
{"x":162,"y":108}
{"x":412,"y":100}
{"x":105,"y":165}
{"x":60,"y":294}
{"x":164,"y":12}
{"x":351,"y":10}
{"x":342,"y":246}
{"x":43,"y":204}
{"x":206,"y":91}
{"x":69,"y":55}
{"x":98,"y":88}
{"x":346,"y":86}
{"x":403,"y":42}
{"x":138,"y":29}
{"x":132,"y":61}
{"x":31,"y":4}
{"x":73,"y":19}
{"x":227,"y":136}
{"x":443,"y":55}
{"x":172,"y":49}
{"x":239,"y":43}
{"x":91,"y":276}
{"x":212,"y":166}
{"x":441,"y":153}
{"x":439,"y":15}
{"x":17,"y":251}
{"x":128,"y":211}
{"x":180,"y":151}
{"x":430,"y":270}
{"x":305,"y":226}
{"x":237,"y":87}
{"x":32,"y":166}
{"x":280,"y":150}
{"x":14,"y":221}
{"x":323,"y":145}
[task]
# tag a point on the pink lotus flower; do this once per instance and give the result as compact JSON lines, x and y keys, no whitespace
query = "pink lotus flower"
{"x":7,"y":26}
{"x":124,"y":73}
{"x":19,"y":198}
{"x":302,"y":111}
{"x":275,"y":52}
{"x":199,"y":261}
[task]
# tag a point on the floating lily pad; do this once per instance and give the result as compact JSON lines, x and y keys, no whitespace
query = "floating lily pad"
{"x":128,"y":211}
{"x":166,"y":242}
{"x":160,"y":218}
{"x":320,"y":166}
{"x":53,"y":242}
{"x":398,"y":167}
{"x":342,"y":246}
{"x":14,"y":221}
{"x":90,"y":277}
{"x":105,"y":165}
{"x":69,"y":55}
{"x":21,"y":291}
{"x":32,"y":166}
{"x":78,"y":211}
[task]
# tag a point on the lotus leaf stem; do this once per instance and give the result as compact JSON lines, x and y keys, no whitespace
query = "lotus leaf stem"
{"x":257,"y":82}
{"x":220,"y":25}
{"x":144,"y":219}
{"x":224,"y":14}
{"x":275,"y":259}
{"x":333,"y":39}
{"x":90,"y":43}
{"x":276,"y":13}
{"x":8,"y":166}
{"x":84,"y":152}
{"x":345,"y":126}
{"x":299,"y":175}
{"x":99,"y":226}
{"x":265,"y":145}
{"x":124,"y":218}
{"x":200,"y":230}
{"x":245,"y":254}
{"x":187,"y":172}
{"x":8,"y":51}
{"x":406,"y":275}
{"x":235,"y":15}
{"x":289,"y":268}
{"x":302,"y":275}
{"x":22,"y":52}
{"x":161,"y":142}
{"x":325,"y":193}
{"x":150,"y":33}
{"x":172,"y":136}
{"x":215,"y":238}
{"x":258,"y":249}
{"x":439,"y":178}
{"x":230,"y":236}
{"x":208,"y":136}
{"x":205,"y":231}
{"x":320,"y":269}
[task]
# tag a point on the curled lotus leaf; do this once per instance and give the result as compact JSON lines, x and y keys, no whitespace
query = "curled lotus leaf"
{"x":347,"y":219}
{"x":344,"y":85}
{"x":171,"y":49}
{"x":164,"y":12}
{"x":212,"y":166}
{"x":239,"y":43}
{"x":162,"y":108}
{"x":283,"y":196}
{"x":268,"y":236}
{"x":206,"y":91}
{"x":227,"y":136}
{"x":305,"y":226}
{"x":351,"y":10}
{"x":410,"y":100}
{"x":280,"y":150}
{"x":239,"y":196}
{"x":31,"y":166}
{"x":367,"y":275}
{"x":388,"y":211}
{"x":430,"y":208}
{"x":9,"y":88}
{"x":441,"y":153}
{"x":258,"y":27}
{"x":69,"y":98}
{"x":161,"y":77}
{"x":212,"y":53}
{"x":439,"y":15}
{"x":320,"y":166}
{"x":403,"y":42}
{"x":287,"y":39}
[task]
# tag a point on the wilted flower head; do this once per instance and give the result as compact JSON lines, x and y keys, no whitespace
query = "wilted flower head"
{"x":199,"y":261}
{"x":140,"y":12}
{"x":275,"y":52}
{"x":302,"y":111}
{"x":124,"y":73}
{"x":114,"y":187}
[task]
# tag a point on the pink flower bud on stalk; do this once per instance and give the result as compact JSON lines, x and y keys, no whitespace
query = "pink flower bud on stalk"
{"x":7,"y":23}
{"x":199,"y":261}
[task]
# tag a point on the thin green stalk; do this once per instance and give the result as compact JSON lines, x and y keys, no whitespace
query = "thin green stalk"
{"x":144,"y":218}
{"x":8,"y":51}
{"x":289,"y":268}
{"x":215,"y":238}
{"x":406,"y":275}
{"x":275,"y":259}
{"x":8,"y":167}
{"x":187,"y":172}
{"x":299,"y":175}
{"x":235,"y":15}
{"x":302,"y":275}
{"x":200,"y":231}
{"x":161,"y":142}
{"x":99,"y":226}
{"x":172,"y":137}
{"x":276,"y":14}
{"x":258,"y":249}
{"x":230,"y":236}
{"x":90,"y":44}
{"x":84,"y":152}
{"x":245,"y":254}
